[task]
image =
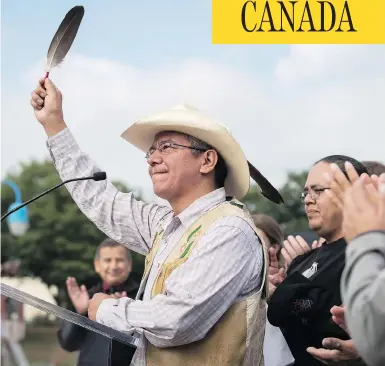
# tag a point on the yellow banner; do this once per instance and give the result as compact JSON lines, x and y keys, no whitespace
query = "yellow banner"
{"x":298,"y":22}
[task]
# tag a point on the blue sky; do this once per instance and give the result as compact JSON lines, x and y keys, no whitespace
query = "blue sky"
{"x":288,"y":105}
{"x":139,"y":33}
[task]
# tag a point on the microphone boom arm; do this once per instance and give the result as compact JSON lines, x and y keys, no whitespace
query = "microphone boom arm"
{"x":96,"y":176}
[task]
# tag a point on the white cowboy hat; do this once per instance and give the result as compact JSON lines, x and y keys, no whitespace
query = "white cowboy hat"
{"x":189,"y":120}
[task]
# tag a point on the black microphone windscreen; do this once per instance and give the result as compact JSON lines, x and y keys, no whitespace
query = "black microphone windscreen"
{"x":100,"y":176}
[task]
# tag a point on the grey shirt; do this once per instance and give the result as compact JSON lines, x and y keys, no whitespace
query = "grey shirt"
{"x":363,"y":293}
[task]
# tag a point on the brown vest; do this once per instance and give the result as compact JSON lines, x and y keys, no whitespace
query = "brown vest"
{"x":237,"y":338}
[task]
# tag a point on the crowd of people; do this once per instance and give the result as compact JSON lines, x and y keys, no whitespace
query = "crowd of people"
{"x":222,"y":286}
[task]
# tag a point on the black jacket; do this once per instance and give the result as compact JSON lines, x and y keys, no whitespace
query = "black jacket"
{"x":95,"y":348}
{"x":301,"y":305}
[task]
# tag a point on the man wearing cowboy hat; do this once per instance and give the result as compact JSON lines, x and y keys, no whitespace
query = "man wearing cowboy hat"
{"x":202,"y":296}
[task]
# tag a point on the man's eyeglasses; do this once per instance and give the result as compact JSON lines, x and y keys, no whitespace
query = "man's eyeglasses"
{"x":166,"y":147}
{"x":314,"y":193}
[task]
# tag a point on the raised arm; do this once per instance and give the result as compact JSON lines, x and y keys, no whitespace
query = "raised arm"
{"x":119,"y":215}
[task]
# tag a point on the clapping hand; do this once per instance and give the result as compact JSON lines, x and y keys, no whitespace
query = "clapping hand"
{"x":78,"y":295}
{"x":335,"y":350}
{"x":276,"y":274}
{"x":295,"y":246}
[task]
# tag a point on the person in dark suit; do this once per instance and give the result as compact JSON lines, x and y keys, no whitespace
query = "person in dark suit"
{"x":113,"y":263}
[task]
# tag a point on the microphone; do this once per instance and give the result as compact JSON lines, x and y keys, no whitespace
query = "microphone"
{"x":96,"y":177}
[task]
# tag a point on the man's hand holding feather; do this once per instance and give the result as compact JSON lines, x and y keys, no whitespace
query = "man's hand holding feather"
{"x":46,"y":101}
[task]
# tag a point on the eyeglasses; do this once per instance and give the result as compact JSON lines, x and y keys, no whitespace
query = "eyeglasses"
{"x":314,"y":193}
{"x":169,"y":146}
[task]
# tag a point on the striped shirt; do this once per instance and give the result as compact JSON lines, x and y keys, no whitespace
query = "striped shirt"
{"x":225,"y":266}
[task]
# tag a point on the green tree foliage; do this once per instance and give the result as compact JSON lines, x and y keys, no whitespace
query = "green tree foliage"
{"x":290,"y":215}
{"x":61,"y":240}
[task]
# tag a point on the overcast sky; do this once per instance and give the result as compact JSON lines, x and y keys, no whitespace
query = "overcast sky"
{"x":287,"y":105}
